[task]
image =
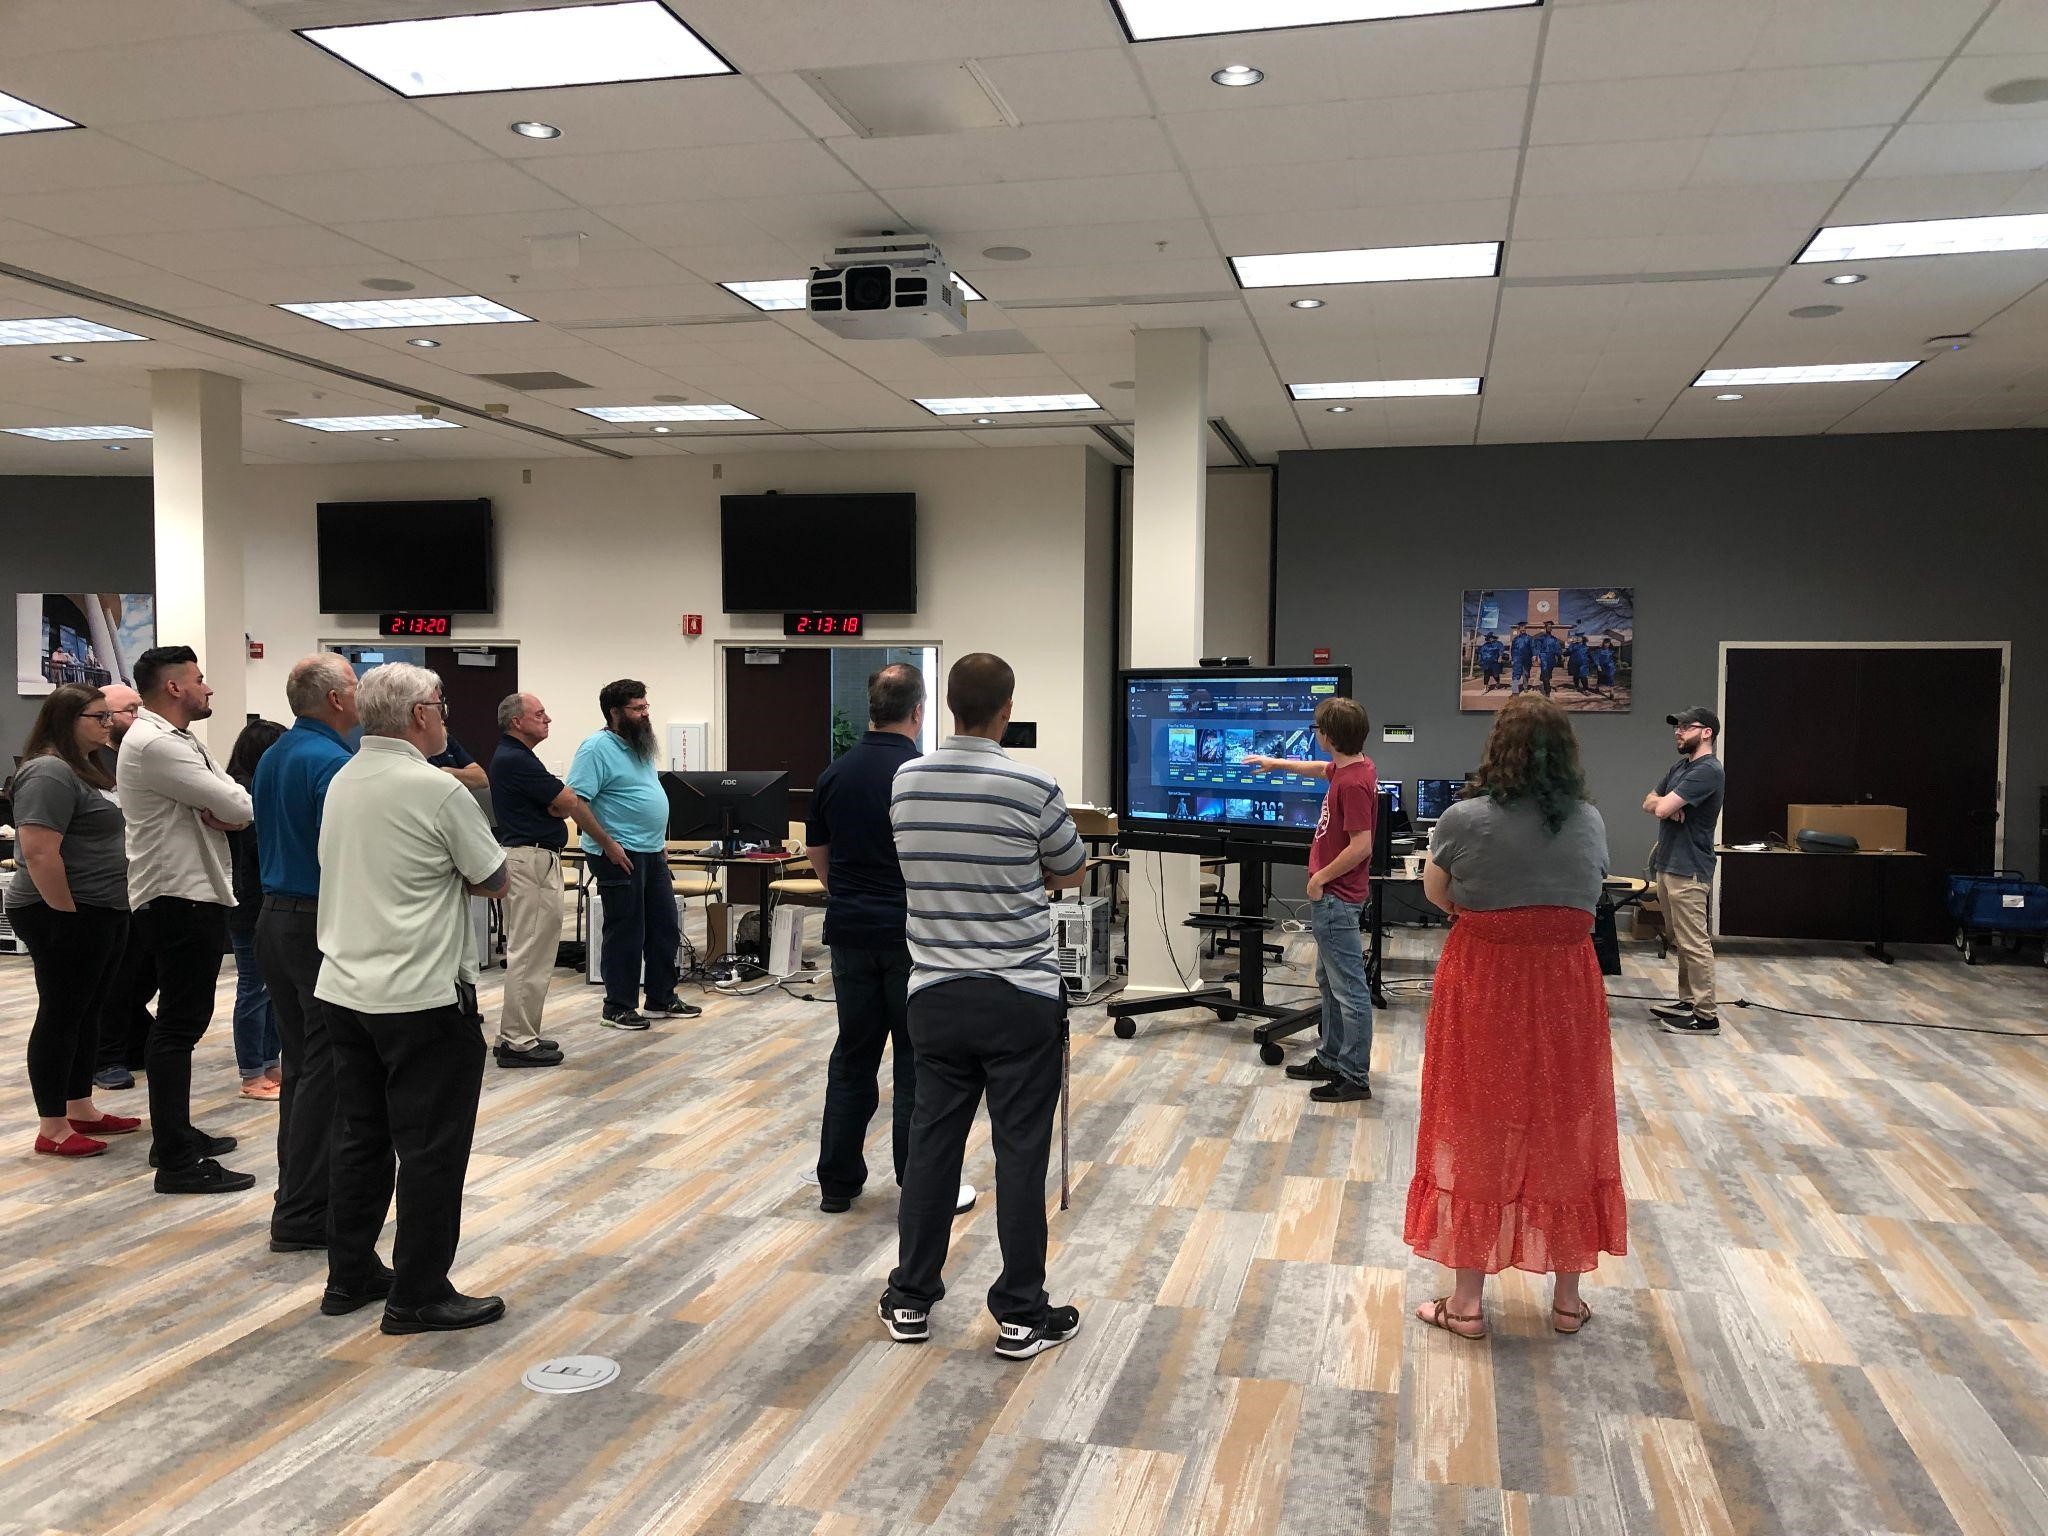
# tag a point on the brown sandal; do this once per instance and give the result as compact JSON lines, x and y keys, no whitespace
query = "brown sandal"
{"x":1442,"y":1317}
{"x":1580,"y":1318}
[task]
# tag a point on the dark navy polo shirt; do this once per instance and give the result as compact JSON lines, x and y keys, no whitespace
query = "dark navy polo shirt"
{"x":290,"y":793}
{"x":864,"y":898}
{"x":454,"y":755}
{"x":521,"y":792}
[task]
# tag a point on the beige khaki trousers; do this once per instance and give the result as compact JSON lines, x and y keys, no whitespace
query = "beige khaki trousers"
{"x":1684,"y":900}
{"x":533,"y":933}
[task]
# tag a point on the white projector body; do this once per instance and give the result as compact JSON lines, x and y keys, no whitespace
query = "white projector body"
{"x":887,"y":290}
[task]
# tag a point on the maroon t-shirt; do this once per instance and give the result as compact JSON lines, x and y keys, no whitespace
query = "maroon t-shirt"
{"x":1349,"y":806}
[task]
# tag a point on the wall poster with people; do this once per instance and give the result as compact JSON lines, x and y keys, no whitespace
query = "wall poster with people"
{"x":79,"y":637}
{"x":1574,"y":645}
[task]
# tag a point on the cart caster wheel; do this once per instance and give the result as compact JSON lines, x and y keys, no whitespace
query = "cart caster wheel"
{"x":1271,"y":1054}
{"x":1125,"y":1028}
{"x":1227,"y":1015}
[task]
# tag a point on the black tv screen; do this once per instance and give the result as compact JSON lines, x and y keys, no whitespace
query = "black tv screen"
{"x":1187,"y":734}
{"x":406,"y":557}
{"x":848,"y":554}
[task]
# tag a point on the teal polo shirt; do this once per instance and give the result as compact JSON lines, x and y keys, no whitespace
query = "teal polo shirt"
{"x":624,"y":792}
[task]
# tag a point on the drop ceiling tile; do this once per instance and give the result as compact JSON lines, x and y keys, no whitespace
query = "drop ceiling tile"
{"x":1034,"y":152}
{"x":187,"y":76}
{"x":1882,"y":199}
{"x":238,"y":145}
{"x":410,"y":192}
{"x":1825,"y":96}
{"x":618,"y":119}
{"x":1644,"y":165}
{"x":482,"y":235}
{"x":296,"y":246}
{"x":1276,"y":135}
{"x":1079,"y":200}
{"x":2016,"y":27}
{"x":1604,"y":111}
{"x":57,"y":26}
{"x":55,"y":162}
{"x":1750,"y":159}
{"x":1652,"y":37}
{"x":1346,"y":228}
{"x":1858,"y":31}
{"x":1299,"y":66}
{"x":716,"y":171}
{"x":1964,"y":149}
{"x":170,"y":208}
{"x":763,"y":35}
{"x":1433,"y":54}
{"x":1069,"y":86}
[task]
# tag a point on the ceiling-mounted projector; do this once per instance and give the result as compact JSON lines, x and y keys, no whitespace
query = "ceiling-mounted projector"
{"x":895,"y":288}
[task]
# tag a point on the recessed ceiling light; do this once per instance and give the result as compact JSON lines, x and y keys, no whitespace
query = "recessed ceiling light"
{"x":1844,"y":279}
{"x":670,"y":399}
{"x":1123,"y":383}
{"x":1340,"y":410}
{"x":2024,"y":92}
{"x":1388,"y":264}
{"x":389,"y":285}
{"x":1929,"y":237}
{"x":1956,"y":343}
{"x":1145,"y":20}
{"x":421,"y":341}
{"x":371,"y":423}
{"x":1815,"y":373}
{"x":65,"y":357}
{"x":1304,"y":303}
{"x":774,"y":294}
{"x":711,"y":411}
{"x":389,"y":314}
{"x":1384,"y":389}
{"x":524,"y":50}
{"x":664,"y":429}
{"x":387,"y":439}
{"x":1238,"y":74}
{"x":76,"y":434}
{"x":1814,"y":311}
{"x":18,"y":116}
{"x":1007,"y":253}
{"x":1727,"y":397}
{"x":533,"y":130}
{"x":59,"y":330}
{"x":117,"y":447}
{"x":996,"y":405}
{"x":984,"y":421}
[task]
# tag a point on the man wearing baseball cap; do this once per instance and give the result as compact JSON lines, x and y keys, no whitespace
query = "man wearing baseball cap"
{"x":1687,"y":805}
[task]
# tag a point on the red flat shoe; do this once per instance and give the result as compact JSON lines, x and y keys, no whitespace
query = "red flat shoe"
{"x":73,"y":1145}
{"x":106,"y":1125}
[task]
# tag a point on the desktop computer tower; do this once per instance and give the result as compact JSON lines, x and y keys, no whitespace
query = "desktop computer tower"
{"x":1080,"y":929}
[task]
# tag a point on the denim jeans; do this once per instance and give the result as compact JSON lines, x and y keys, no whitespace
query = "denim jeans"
{"x":642,"y":931}
{"x":1347,"y":998}
{"x":256,"y":1044}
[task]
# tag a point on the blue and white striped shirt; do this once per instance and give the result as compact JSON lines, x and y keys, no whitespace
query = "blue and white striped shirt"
{"x":976,"y":835}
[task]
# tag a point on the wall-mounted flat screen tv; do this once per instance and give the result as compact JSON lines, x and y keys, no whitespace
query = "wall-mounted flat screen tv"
{"x":406,"y":557}
{"x":854,"y":553}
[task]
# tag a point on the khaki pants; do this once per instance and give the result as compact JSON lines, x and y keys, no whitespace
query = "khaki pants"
{"x":1684,"y":901}
{"x":533,"y":933}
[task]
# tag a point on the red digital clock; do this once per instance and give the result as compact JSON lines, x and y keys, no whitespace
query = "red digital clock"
{"x":424,"y":624}
{"x":824,"y":624}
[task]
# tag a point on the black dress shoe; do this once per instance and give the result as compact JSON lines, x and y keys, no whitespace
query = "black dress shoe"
{"x":298,"y":1245}
{"x":1314,"y":1070}
{"x":444,"y":1316}
{"x":335,"y":1302}
{"x":834,"y":1204}
{"x":542,"y":1055}
{"x":205,"y":1177}
{"x":209,"y":1146}
{"x":1340,"y":1090}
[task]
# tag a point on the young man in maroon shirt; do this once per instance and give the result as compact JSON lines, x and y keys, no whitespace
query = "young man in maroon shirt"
{"x":1339,"y":872}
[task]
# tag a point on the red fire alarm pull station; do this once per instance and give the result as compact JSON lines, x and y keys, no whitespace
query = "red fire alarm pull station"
{"x":693,"y":624}
{"x":1320,"y":655}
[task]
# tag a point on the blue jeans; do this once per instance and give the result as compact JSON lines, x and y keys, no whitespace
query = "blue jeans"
{"x":1340,"y":973}
{"x":641,"y":931}
{"x":256,"y":1044}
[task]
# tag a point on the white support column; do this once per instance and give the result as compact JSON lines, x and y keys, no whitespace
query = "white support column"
{"x":196,"y":417}
{"x":1169,"y":489}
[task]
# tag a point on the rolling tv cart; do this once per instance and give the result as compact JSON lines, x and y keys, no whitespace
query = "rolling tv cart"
{"x":1247,"y":927}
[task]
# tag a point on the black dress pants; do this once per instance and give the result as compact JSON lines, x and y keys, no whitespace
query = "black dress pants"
{"x":124,"y":1020}
{"x":288,"y":953}
{"x":187,"y":940}
{"x":973,"y":1034}
{"x":642,"y":930}
{"x":408,"y":1085}
{"x":73,"y":954}
{"x":869,"y":986}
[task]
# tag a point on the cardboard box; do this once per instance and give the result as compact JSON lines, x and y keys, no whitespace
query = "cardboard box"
{"x":1873,"y":826}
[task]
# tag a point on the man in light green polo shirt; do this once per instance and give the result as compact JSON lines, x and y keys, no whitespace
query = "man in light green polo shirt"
{"x":403,"y":846}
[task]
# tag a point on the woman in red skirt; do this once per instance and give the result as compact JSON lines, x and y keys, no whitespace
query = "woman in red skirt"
{"x":1517,"y":1160}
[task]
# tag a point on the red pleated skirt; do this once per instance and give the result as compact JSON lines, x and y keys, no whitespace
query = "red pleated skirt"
{"x":1517,"y":1157}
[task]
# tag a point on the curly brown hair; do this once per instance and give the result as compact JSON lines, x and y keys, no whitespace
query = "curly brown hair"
{"x":1532,"y":755}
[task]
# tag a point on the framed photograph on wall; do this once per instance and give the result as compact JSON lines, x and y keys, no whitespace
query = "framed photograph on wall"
{"x":79,"y":637}
{"x":1574,"y":644}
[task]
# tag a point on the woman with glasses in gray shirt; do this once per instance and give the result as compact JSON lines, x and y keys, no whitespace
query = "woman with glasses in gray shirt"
{"x":69,"y":902}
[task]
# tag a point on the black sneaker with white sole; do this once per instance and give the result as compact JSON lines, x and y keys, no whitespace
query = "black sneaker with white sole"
{"x":623,"y":1018}
{"x":676,"y":1008}
{"x":906,"y":1325}
{"x":1671,"y":1010}
{"x":1693,"y":1024}
{"x":1314,"y":1070}
{"x":1020,"y":1341}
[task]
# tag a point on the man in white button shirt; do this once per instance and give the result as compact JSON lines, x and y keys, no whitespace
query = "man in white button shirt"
{"x":402,"y":848}
{"x":178,"y":803}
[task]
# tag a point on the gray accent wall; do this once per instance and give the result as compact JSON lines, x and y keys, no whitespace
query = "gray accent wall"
{"x":1921,"y":536}
{"x":67,"y":533}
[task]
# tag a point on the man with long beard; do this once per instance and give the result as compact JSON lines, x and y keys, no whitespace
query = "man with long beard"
{"x":614,"y":772}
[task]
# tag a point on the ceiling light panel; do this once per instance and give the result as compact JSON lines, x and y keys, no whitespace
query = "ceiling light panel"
{"x":524,"y":50}
{"x":709,"y":411}
{"x":390,"y":314}
{"x":1388,"y":264}
{"x":1384,"y":389}
{"x":76,"y":434}
{"x":993,"y":405}
{"x":18,"y":116}
{"x":1817,"y":373}
{"x":1929,"y":237}
{"x":369,"y":423}
{"x":1146,"y":20}
{"x":59,"y":329}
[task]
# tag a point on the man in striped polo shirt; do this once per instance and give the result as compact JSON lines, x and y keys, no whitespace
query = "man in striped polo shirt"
{"x":980,"y":838}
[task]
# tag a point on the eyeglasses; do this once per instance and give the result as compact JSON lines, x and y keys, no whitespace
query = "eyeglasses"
{"x":440,"y":704}
{"x":99,"y":714}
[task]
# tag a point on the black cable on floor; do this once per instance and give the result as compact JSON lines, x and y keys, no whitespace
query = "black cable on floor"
{"x":1845,"y":1018}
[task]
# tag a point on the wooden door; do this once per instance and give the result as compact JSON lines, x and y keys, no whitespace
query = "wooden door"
{"x":473,"y":692}
{"x":778,"y":710}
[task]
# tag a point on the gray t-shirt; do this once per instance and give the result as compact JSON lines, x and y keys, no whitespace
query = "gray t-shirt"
{"x":47,"y":793}
{"x":1501,"y":856}
{"x":1687,"y":847}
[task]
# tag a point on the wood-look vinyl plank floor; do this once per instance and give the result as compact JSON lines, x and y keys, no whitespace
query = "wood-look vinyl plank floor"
{"x":1833,"y":1318}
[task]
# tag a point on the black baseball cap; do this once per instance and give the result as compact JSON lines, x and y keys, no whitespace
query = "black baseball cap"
{"x":1699,"y":716}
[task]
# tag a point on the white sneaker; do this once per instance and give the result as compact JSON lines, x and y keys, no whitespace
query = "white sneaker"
{"x":965,"y":1203}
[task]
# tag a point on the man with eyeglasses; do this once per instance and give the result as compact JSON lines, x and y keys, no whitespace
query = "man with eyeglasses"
{"x":1687,"y":805}
{"x":403,"y":847}
{"x":124,"y":1017}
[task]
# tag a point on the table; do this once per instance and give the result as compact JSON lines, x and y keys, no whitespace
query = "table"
{"x":1880,"y":870}
{"x":718,"y":914}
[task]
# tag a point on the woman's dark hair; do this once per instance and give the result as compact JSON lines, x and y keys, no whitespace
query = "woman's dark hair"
{"x":1532,"y":755}
{"x":257,"y":738}
{"x":55,"y":733}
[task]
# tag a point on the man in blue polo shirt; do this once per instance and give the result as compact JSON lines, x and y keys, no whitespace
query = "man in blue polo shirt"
{"x":614,"y":772}
{"x":291,"y":794}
